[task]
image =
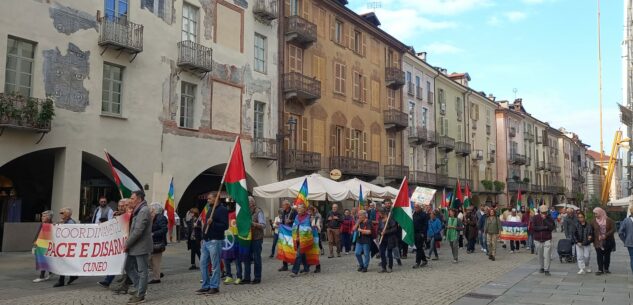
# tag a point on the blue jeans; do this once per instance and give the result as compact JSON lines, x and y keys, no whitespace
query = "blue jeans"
{"x":108,"y":279}
{"x":238,"y":267}
{"x":275,"y":238}
{"x":137,"y":268}
{"x":211,"y":250}
{"x":256,"y":257}
{"x":631,"y":257}
{"x":482,"y":240}
{"x":346,"y":240}
{"x":433,"y":248}
{"x":363,"y":249}
{"x":300,"y":259}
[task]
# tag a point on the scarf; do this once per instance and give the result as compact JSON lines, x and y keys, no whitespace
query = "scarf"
{"x":601,"y":219}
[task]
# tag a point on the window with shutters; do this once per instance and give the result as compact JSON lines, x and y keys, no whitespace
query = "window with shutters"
{"x":111,"y":90}
{"x":424,"y":117}
{"x":319,"y":18}
{"x":391,"y":148}
{"x":360,"y":88}
{"x":318,"y":67}
{"x":295,"y":58}
{"x":459,"y":132}
{"x":338,"y":141}
{"x":305,"y":136}
{"x":412,"y":164}
{"x":376,"y":144}
{"x":116,"y":8}
{"x":365,"y":148}
{"x":296,"y":7}
{"x":444,"y":126}
{"x":258,"y":120}
{"x":375,"y":51}
{"x":339,"y":78}
{"x":375,"y":94}
{"x":356,"y":144}
{"x":260,"y":53}
{"x":442,"y":101}
{"x":459,"y":108}
{"x":187,"y":104}
{"x":19,"y":66}
{"x":411,"y":114}
{"x":474,"y":112}
{"x":189,"y":22}
{"x":318,"y":136}
{"x":356,"y":86}
{"x":338,"y":31}
{"x":358,"y":42}
{"x":391,"y":99}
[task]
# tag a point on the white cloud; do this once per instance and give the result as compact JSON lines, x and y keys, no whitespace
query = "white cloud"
{"x":493,"y":21}
{"x":442,"y":48}
{"x":427,"y":7}
{"x":515,"y":16}
{"x":407,"y":24}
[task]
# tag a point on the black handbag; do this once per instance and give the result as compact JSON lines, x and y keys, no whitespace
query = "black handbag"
{"x":159,"y":248}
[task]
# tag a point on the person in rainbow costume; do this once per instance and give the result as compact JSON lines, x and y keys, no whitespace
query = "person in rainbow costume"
{"x":305,"y":242}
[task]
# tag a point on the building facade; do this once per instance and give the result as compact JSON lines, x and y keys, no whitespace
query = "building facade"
{"x":342,"y":94}
{"x":482,"y":133}
{"x":164,"y":86}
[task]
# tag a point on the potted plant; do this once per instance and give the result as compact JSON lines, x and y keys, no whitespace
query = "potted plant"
{"x":516,"y":178}
{"x":499,"y":186}
{"x":526,"y":180}
{"x":488,"y":185}
{"x":4,"y":108}
{"x":29,"y":112}
{"x":46,"y":114}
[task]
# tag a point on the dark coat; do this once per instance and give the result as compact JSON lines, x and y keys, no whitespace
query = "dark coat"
{"x":391,"y":234}
{"x":470,"y":226}
{"x":542,"y":227}
{"x":609,"y":242}
{"x":583,"y":234}
{"x":139,"y":240}
{"x":420,"y":223}
{"x":159,"y":230}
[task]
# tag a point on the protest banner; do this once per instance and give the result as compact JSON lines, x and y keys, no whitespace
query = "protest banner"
{"x":83,"y":249}
{"x":513,"y":231}
{"x":423,"y":195}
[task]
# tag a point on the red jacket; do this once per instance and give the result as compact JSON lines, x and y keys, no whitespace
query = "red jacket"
{"x":347,"y":225}
{"x":542,"y":227}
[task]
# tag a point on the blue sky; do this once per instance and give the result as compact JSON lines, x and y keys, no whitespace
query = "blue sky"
{"x":546,"y":49}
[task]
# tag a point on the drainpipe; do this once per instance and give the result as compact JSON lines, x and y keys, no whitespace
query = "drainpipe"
{"x":467,"y":132}
{"x":281,"y":103}
{"x":434,"y":117}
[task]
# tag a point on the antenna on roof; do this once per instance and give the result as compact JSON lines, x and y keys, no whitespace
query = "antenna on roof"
{"x":515,"y":90}
{"x":373,"y":5}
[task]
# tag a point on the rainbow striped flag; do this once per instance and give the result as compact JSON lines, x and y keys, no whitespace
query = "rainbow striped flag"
{"x":170,"y":207}
{"x":361,"y":199}
{"x":302,"y":196}
{"x":205,"y":212}
{"x":285,"y":245}
{"x":41,"y":245}
{"x":308,"y":238}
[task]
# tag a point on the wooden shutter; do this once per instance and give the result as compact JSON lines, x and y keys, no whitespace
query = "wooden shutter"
{"x":348,"y":142}
{"x":306,"y":9}
{"x":318,"y":67}
{"x":350,"y":38}
{"x":346,"y":36}
{"x":343,"y":80}
{"x":286,"y":129}
{"x":287,"y":7}
{"x":364,"y":44}
{"x":356,"y":86}
{"x":364,"y":87}
{"x":375,"y":147}
{"x":375,"y":94}
{"x":333,"y":142}
{"x":332,"y":27}
{"x":365,"y":151}
{"x":318,"y":136}
{"x":304,"y":133}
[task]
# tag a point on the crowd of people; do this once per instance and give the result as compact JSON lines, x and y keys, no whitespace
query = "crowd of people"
{"x":367,"y":232}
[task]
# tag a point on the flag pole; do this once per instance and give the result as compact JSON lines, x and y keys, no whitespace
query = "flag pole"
{"x":112,"y":169}
{"x":382,"y":234}
{"x":217,"y":196}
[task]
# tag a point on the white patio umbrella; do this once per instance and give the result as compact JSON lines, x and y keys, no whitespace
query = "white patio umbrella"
{"x":354,"y":184}
{"x":319,"y":188}
{"x":621,"y":202}
{"x":391,"y":192}
{"x":566,"y":205}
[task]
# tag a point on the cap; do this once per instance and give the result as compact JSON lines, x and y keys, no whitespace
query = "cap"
{"x":543,"y":209}
{"x":514,"y":210}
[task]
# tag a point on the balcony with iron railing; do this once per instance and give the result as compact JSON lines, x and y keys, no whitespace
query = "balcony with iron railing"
{"x":478,"y":155}
{"x":417,"y":135}
{"x":554,"y":168}
{"x":394,"y":77}
{"x":301,"y":160}
{"x":534,"y":188}
{"x":266,"y":9}
{"x":194,"y":57}
{"x":26,"y":113}
{"x":396,"y":119}
{"x":301,"y":87}
{"x":300,"y":31}
{"x":528,"y":136}
{"x":418,"y":92}
{"x":481,"y":188}
{"x":446,"y":143}
{"x":422,"y":178}
{"x":542,"y":166}
{"x":515,"y":186}
{"x":518,"y":159}
{"x":491,"y":158}
{"x":410,"y":89}
{"x":354,"y":166}
{"x":396,"y":171}
{"x":462,"y":148}
{"x":120,"y":34}
{"x":264,"y":149}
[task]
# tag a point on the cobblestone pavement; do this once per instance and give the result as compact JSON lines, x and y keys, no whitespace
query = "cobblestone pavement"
{"x":524,"y":285}
{"x":441,"y":283}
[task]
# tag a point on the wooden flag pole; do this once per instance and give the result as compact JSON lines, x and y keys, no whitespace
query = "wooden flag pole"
{"x":382,"y":234}
{"x":217,"y":196}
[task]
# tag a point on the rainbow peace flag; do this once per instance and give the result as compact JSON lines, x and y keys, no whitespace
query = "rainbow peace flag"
{"x":170,"y":206}
{"x":308,"y":238}
{"x":41,"y":245}
{"x":302,"y":196}
{"x":361,"y":199}
{"x":285,"y":248}
{"x":205,"y":212}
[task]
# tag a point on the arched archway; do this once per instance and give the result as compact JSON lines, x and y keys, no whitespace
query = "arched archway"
{"x":96,"y":181}
{"x":207,"y":181}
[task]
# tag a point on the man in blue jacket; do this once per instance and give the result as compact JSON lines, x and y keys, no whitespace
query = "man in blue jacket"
{"x":213,"y":238}
{"x":480,"y":226}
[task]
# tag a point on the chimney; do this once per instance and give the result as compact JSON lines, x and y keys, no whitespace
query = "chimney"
{"x":422,"y":56}
{"x":492,"y":97}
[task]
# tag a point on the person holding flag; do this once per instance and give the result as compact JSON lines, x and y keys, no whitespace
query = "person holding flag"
{"x":170,"y":211}
{"x":304,"y":237}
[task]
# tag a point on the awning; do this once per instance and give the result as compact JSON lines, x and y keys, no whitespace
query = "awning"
{"x":566,"y":205}
{"x":319,"y":188}
{"x":621,"y":202}
{"x":369,"y":190}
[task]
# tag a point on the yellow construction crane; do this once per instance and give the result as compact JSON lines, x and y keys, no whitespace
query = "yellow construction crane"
{"x":606,"y":184}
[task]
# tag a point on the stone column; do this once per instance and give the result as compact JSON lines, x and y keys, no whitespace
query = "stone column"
{"x":66,"y":181}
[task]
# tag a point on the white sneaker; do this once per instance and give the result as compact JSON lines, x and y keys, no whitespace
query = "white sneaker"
{"x":581,"y":271}
{"x":39,"y":279}
{"x":511,"y":251}
{"x":588,"y":270}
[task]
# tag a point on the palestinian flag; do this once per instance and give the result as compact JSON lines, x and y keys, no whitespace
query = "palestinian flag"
{"x":402,"y":213}
{"x":467,"y":197}
{"x":459,"y":198}
{"x":235,"y":182}
{"x":519,"y":200}
{"x":123,"y":178}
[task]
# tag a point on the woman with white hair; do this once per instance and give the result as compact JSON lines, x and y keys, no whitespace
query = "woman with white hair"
{"x":159,"y":237}
{"x":47,"y":217}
